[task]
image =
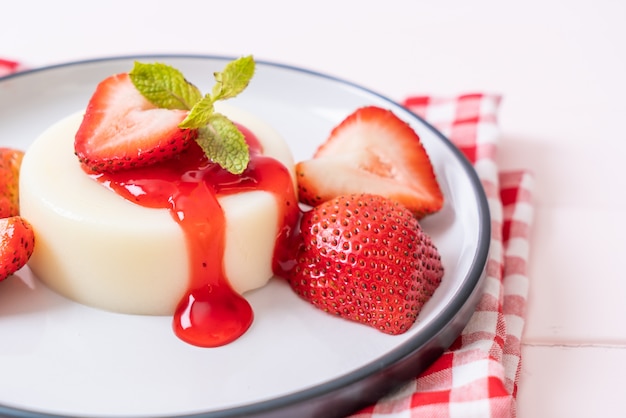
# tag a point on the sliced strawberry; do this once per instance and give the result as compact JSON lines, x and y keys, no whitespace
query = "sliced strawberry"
{"x":10,"y":163}
{"x":366,"y":259}
{"x":372,"y":151}
{"x":17,"y":241}
{"x":121,"y":129}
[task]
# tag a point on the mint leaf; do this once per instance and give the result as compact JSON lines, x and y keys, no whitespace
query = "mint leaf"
{"x":234,"y":78}
{"x":224,"y":144}
{"x":220,"y":139}
{"x":199,"y":115}
{"x":164,"y":86}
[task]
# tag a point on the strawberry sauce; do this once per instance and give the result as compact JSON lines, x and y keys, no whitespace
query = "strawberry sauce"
{"x":211,"y":313}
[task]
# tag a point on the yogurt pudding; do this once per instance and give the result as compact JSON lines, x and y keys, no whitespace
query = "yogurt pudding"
{"x":176,"y":239}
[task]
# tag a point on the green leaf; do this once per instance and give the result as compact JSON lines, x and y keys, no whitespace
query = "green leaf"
{"x":224,"y":144}
{"x":199,"y":115}
{"x":164,"y":86}
{"x":234,"y":78}
{"x":221,"y":140}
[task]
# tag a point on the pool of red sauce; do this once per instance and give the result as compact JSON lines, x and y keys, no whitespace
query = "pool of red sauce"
{"x":211,"y":314}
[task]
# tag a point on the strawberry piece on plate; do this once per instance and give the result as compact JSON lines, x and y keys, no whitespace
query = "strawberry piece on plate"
{"x":121,"y":129}
{"x":17,"y":241}
{"x":372,"y":151}
{"x":366,"y":259}
{"x":10,"y":163}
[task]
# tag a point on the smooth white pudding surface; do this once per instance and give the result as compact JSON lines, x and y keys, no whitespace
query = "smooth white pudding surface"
{"x":99,"y":249}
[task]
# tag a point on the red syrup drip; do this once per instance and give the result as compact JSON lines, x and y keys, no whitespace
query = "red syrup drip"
{"x":211,"y":313}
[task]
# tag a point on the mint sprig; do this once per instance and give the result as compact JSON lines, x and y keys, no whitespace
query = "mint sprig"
{"x":220,"y":139}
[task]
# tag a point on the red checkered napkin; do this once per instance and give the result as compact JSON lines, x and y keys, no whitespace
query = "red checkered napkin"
{"x":478,"y":375}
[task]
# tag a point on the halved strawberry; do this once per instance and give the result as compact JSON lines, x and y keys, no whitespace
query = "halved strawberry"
{"x":17,"y":241}
{"x":372,"y":151}
{"x":121,"y":129}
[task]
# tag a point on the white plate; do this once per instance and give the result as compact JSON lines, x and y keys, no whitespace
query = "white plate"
{"x":59,"y":357}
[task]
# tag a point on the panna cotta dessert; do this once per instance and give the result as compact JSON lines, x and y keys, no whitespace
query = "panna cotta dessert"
{"x":103,"y":250}
{"x":181,"y":237}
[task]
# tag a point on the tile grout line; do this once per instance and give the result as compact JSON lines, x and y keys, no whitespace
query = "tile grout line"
{"x":620,"y":346}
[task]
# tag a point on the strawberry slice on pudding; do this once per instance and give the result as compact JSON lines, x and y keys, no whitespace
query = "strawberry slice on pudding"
{"x":121,"y":129}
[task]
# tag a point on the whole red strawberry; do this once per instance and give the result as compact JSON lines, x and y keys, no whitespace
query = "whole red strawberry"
{"x":365,"y":258}
{"x":10,"y":163}
{"x":17,"y":241}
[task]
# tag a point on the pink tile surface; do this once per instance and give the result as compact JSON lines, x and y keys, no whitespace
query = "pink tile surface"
{"x":577,"y":289}
{"x":572,"y":381}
